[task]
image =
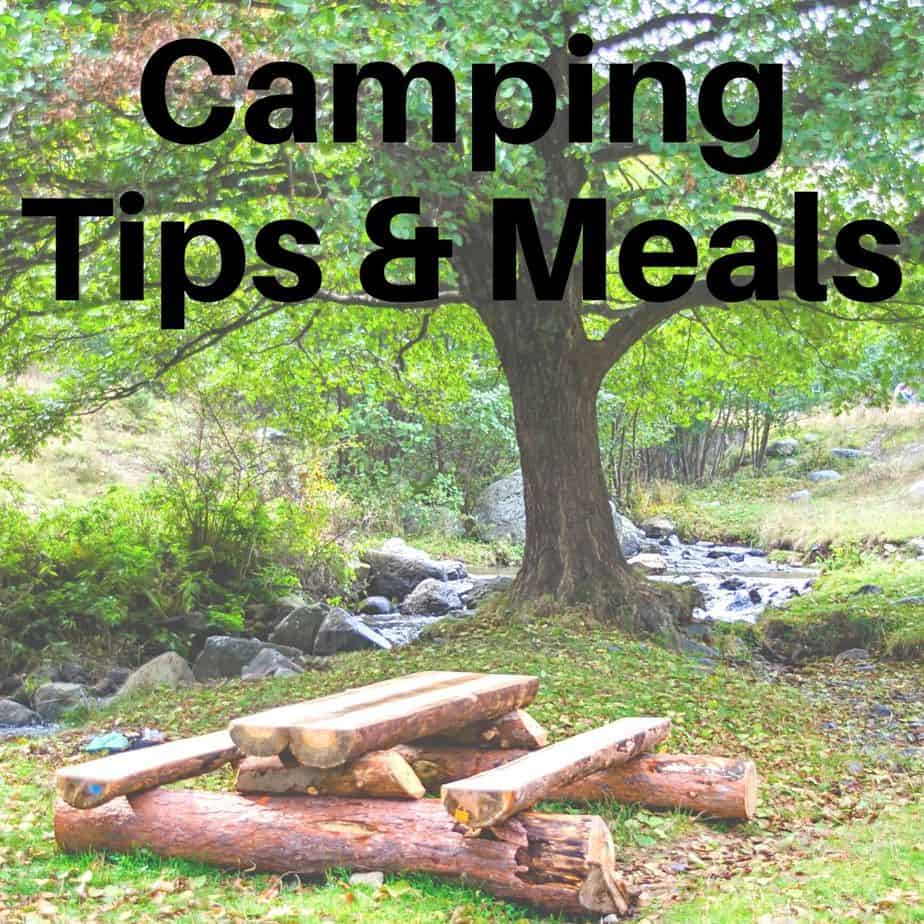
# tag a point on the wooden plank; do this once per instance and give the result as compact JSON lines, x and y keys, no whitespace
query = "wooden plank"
{"x":97,"y":781}
{"x":333,"y":740}
{"x":561,"y":863}
{"x":491,"y":797}
{"x":267,"y":733}
{"x":380,"y":774}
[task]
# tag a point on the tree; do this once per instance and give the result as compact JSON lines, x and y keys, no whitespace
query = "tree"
{"x":852,"y":105}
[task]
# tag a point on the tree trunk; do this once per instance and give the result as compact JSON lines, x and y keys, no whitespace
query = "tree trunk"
{"x":571,"y":556}
{"x":560,"y":863}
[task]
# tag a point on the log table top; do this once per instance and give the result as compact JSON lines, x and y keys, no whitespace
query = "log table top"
{"x":332,"y":730}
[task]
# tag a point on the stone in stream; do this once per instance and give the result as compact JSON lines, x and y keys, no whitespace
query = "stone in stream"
{"x":343,"y":631}
{"x":654,"y":564}
{"x":397,"y":568}
{"x":376,"y":606}
{"x":628,"y":535}
{"x":658,"y":527}
{"x":300,"y":627}
{"x":732,"y":583}
{"x":16,"y":715}
{"x":435,"y":598}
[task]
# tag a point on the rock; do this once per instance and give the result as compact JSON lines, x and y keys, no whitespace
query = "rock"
{"x":693,"y":649}
{"x":52,"y":700}
{"x":500,"y":512}
{"x":628,"y":535}
{"x":824,"y":474}
{"x":285,"y":605}
{"x":16,"y":715}
{"x":735,"y":649}
{"x":376,"y":606}
{"x":374,"y":879}
{"x":654,"y":564}
{"x":841,"y":452}
{"x":397,"y":568}
{"x":483,"y":588}
{"x":852,"y":654}
{"x":755,"y":596}
{"x":166,"y":670}
{"x":658,"y":527}
{"x":434,"y":598}
{"x":799,"y":496}
{"x":71,"y":672}
{"x":270,"y":663}
{"x":867,"y":590}
{"x":732,"y":583}
{"x":783,"y":448}
{"x":112,"y":682}
{"x":300,"y":627}
{"x":342,"y":631}
{"x":226,"y":656}
{"x":699,"y":630}
{"x":910,"y":601}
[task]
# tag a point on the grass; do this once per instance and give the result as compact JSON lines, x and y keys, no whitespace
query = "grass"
{"x":869,"y":504}
{"x":838,"y":615}
{"x":870,"y":872}
{"x":588,"y":677}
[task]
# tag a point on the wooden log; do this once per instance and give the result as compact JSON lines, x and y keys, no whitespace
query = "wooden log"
{"x":517,"y":729}
{"x":383,"y":774}
{"x":97,"y":781}
{"x":333,"y":740}
{"x":489,"y":798}
{"x":718,"y":787}
{"x":267,"y":733}
{"x":559,"y":863}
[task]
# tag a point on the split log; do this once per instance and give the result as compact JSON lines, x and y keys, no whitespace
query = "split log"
{"x":383,"y":774}
{"x":267,"y":733}
{"x":491,"y":797}
{"x":517,"y":729}
{"x":717,"y":787}
{"x":98,"y":781}
{"x":334,"y":739}
{"x":559,"y":863}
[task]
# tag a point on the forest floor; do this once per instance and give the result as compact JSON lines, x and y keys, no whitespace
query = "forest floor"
{"x":837,"y":836}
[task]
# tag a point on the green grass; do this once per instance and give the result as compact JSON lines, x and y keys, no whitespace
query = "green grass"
{"x":835,"y":616}
{"x":588,"y":677}
{"x":868,"y":872}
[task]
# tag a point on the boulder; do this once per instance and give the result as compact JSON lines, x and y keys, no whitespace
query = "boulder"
{"x":300,"y":627}
{"x":166,"y":670}
{"x":916,"y":491}
{"x":226,"y":656}
{"x":483,"y":588}
{"x":112,"y":682}
{"x":658,"y":527}
{"x":52,"y":700}
{"x":284,"y":605}
{"x":16,"y":715}
{"x":653,"y":564}
{"x":376,"y":606}
{"x":824,"y":474}
{"x":343,"y":631}
{"x":435,"y":598}
{"x":397,"y":568}
{"x":270,"y":663}
{"x":783,"y":448}
{"x":71,"y":672}
{"x":842,"y":452}
{"x":799,"y":496}
{"x":500,"y":512}
{"x":628,"y":535}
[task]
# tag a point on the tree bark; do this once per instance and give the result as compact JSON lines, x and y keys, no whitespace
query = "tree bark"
{"x":559,"y":863}
{"x":517,"y":729}
{"x":379,"y":774}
